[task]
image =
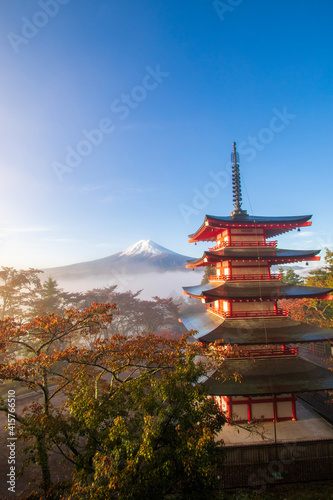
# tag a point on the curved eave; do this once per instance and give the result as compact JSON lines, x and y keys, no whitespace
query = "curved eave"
{"x":270,"y":376}
{"x":272,"y":291}
{"x":273,"y":226}
{"x":211,"y":328}
{"x":200,"y":291}
{"x":207,"y":259}
{"x":280,"y":256}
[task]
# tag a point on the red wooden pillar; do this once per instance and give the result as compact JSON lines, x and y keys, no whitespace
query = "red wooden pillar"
{"x":230,"y":268}
{"x":249,"y":409}
{"x":228,"y":235}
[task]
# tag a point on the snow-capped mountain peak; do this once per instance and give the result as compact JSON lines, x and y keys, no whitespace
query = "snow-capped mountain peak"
{"x":143,"y":257}
{"x":147,"y":248}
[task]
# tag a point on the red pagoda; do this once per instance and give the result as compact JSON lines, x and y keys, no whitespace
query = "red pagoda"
{"x":243,"y":312}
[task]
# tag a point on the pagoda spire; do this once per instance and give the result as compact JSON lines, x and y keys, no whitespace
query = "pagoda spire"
{"x":236,"y":184}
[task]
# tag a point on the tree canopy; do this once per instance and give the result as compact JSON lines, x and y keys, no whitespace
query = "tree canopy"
{"x":24,"y":295}
{"x":135,"y":418}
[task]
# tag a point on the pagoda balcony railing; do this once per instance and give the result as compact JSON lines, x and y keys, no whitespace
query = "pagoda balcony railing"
{"x":249,"y":314}
{"x":262,"y":353}
{"x":244,"y":244}
{"x":244,"y":277}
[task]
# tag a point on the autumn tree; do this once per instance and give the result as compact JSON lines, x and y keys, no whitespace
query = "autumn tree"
{"x":34,"y":355}
{"x":135,"y":418}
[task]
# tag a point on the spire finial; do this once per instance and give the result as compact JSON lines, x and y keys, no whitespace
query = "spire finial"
{"x":236,"y":183}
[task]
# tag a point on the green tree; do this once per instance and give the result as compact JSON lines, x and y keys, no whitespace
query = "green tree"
{"x":146,"y":430}
{"x":289,"y":276}
{"x":134,"y":314}
{"x":163,"y":445}
{"x":17,"y":289}
{"x":322,"y":276}
{"x":209,"y":270}
{"x":52,"y":299}
{"x":126,"y":321}
{"x":157,"y":314}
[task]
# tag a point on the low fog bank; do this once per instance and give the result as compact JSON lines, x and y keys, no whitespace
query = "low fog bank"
{"x":168,"y":284}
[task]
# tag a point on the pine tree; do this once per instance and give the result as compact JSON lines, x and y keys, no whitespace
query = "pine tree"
{"x":289,"y":276}
{"x":52,"y":299}
{"x":209,"y":270}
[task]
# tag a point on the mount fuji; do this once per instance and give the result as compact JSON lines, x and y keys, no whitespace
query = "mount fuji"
{"x":145,"y":266}
{"x":142,"y":257}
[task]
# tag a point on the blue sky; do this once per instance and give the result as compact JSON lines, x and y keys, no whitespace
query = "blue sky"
{"x":118,"y":120}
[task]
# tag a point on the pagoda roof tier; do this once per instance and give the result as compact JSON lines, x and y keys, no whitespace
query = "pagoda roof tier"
{"x":255,"y":291}
{"x":270,"y":376}
{"x":270,"y":255}
{"x":272,"y":226}
{"x":253,"y":331}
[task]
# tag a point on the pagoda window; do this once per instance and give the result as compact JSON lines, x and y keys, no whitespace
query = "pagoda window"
{"x":253,"y":306}
{"x":284,"y":409}
{"x":239,"y":413}
{"x":245,"y":306}
{"x":263,"y":409}
{"x":268,"y":408}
